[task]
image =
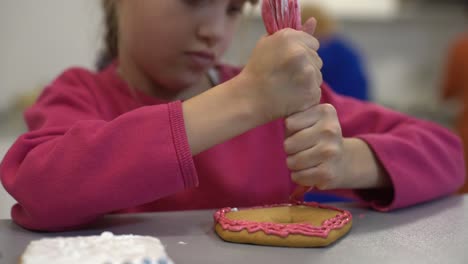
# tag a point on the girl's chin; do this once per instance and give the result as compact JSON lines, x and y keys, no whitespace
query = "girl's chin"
{"x":191,"y":78}
{"x":185,"y":81}
{"x":181,"y":79}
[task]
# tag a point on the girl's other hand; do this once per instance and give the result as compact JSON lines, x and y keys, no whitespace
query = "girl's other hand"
{"x":315,"y":147}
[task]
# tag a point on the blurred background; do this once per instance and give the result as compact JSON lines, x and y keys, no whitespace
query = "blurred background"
{"x":400,"y":47}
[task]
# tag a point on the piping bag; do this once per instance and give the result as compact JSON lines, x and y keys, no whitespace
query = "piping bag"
{"x":278,"y":15}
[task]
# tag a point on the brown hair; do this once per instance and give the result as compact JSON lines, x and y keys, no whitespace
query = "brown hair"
{"x":111,"y":38}
{"x":111,"y":33}
{"x":325,"y":22}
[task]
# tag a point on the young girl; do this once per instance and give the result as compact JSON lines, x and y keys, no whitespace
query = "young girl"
{"x":165,"y":126}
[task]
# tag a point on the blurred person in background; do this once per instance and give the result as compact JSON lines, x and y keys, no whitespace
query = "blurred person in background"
{"x":455,"y":86}
{"x":343,"y":68}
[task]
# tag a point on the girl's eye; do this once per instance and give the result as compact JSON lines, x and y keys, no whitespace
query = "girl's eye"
{"x":234,"y":10}
{"x":196,"y":2}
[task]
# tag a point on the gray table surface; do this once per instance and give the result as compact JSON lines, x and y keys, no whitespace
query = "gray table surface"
{"x":434,"y":232}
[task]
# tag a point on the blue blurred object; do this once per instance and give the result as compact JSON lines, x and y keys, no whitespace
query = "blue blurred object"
{"x":343,"y":69}
{"x":325,"y":198}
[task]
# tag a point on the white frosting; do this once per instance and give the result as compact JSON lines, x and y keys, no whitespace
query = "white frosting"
{"x":104,"y":249}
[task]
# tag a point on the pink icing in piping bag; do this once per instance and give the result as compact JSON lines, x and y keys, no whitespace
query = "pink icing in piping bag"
{"x":281,"y":14}
{"x":277,"y":15}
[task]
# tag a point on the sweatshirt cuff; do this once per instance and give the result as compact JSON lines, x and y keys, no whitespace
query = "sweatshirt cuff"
{"x":182,"y":147}
{"x":382,"y":199}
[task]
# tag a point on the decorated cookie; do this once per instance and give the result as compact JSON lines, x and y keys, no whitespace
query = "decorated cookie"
{"x":287,"y":225}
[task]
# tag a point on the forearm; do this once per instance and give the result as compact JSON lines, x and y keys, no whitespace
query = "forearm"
{"x":70,"y":164}
{"x":363,"y":169}
{"x":219,"y":114}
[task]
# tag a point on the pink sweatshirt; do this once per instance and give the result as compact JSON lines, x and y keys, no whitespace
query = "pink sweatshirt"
{"x":93,"y":149}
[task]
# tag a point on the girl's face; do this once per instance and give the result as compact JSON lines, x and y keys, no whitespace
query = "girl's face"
{"x":174,"y":42}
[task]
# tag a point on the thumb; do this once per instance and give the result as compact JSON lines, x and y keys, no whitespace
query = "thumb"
{"x":310,"y":25}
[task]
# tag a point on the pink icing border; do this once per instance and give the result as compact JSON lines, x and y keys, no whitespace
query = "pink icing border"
{"x":283,"y":230}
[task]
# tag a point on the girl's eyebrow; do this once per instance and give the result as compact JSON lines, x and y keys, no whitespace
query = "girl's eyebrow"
{"x":239,"y":1}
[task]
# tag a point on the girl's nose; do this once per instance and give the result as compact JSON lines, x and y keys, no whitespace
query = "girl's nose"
{"x":212,"y":29}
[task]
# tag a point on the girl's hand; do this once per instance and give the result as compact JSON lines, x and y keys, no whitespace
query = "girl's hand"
{"x":283,"y":74}
{"x":318,"y":155}
{"x":315,"y":147}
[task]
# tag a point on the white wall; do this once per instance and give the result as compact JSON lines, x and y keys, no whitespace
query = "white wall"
{"x":38,"y":39}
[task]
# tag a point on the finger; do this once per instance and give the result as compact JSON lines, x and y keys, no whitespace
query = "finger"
{"x":315,"y":58}
{"x":302,"y":140}
{"x":310,"y":25}
{"x":317,"y":177}
{"x":317,"y":65}
{"x":312,"y":157}
{"x":301,"y":120}
{"x":310,"y":41}
{"x":316,"y":69}
{"x":318,"y":78}
{"x":317,"y":73}
{"x":306,"y":39}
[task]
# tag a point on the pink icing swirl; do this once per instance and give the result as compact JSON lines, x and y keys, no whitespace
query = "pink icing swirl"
{"x":283,"y":230}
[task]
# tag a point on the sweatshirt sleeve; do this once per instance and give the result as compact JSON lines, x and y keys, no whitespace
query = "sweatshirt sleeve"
{"x":423,"y":160}
{"x":74,"y":166}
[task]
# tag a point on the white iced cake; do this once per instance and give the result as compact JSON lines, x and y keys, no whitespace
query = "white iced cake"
{"x":104,"y":249}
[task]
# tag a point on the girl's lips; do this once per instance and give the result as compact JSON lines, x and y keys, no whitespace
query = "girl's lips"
{"x":201,"y":59}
